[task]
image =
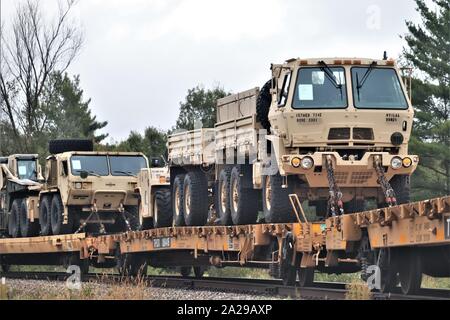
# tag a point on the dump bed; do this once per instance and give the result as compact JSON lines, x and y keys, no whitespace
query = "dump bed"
{"x":237,"y":126}
{"x":194,"y":147}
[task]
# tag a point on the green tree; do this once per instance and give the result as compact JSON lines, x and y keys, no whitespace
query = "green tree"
{"x":152,"y":143}
{"x":429,"y":51}
{"x":68,"y":115}
{"x":199,"y":105}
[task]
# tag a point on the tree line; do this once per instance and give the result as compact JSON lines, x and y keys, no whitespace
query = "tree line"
{"x":40,"y":101}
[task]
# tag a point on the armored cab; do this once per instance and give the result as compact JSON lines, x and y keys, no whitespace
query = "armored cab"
{"x":333,"y":131}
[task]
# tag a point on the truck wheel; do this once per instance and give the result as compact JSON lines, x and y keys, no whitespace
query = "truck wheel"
{"x":162,"y":210}
{"x":354,"y":205}
{"x":321,"y":208}
{"x":402,"y":188}
{"x":185,"y":271}
{"x":263,"y":105}
{"x":14,"y":219}
{"x":276,"y":204}
{"x":44,"y":216}
{"x":27,"y":228}
{"x":177,"y":201}
{"x":306,"y":277}
{"x":133,"y":217}
{"x":410,"y":271}
{"x":57,"y":217}
{"x":223,"y":197}
{"x":195,"y":199}
{"x":64,"y":145}
{"x":243,"y":201}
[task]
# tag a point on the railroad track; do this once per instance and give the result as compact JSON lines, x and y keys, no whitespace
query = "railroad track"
{"x":269,"y":287}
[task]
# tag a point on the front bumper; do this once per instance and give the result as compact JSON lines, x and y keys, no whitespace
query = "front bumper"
{"x":348,"y":173}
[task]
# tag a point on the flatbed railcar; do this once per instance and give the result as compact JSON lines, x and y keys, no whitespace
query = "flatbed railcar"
{"x":404,"y":241}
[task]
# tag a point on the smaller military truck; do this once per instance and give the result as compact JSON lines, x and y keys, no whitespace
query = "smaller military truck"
{"x":155,"y":205}
{"x":20,"y":184}
{"x":89,"y":191}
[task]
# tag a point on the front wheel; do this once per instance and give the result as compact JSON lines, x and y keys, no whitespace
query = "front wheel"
{"x":14,"y":219}
{"x":276,"y":205}
{"x":57,"y":217}
{"x":27,"y":228}
{"x":162,"y":209}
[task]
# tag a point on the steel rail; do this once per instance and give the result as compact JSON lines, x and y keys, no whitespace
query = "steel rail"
{"x":266,"y":287}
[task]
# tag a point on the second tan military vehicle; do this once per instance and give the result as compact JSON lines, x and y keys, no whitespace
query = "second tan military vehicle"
{"x":331,"y":131}
{"x":89,"y":190}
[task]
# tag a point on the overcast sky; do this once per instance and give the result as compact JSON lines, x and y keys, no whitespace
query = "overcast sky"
{"x":141,"y":56}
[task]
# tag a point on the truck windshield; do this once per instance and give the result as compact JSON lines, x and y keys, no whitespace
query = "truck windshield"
{"x":378,"y":88}
{"x":26,"y":169}
{"x":126,"y":165}
{"x":320,"y":88}
{"x":95,"y":165}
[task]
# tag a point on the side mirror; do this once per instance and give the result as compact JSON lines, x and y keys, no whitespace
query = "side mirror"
{"x":84,"y":174}
{"x":155,"y":163}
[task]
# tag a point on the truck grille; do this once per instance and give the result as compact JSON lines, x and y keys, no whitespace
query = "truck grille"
{"x":339,"y":134}
{"x":362,"y":134}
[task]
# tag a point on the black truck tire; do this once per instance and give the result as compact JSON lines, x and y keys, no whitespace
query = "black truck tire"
{"x":162,"y":211}
{"x":14,"y":219}
{"x":64,"y":145}
{"x":263,"y":105}
{"x":44,"y":216}
{"x":401,"y":186}
{"x":276,"y":205}
{"x":195,"y":198}
{"x":243,"y":201}
{"x":223,"y":197}
{"x":27,"y":228}
{"x":177,"y":201}
{"x":57,"y":217}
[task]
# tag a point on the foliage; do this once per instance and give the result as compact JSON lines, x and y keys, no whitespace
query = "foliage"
{"x":32,"y":50}
{"x":429,"y":51}
{"x":199,"y":106}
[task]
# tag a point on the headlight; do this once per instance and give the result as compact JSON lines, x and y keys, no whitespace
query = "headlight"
{"x":295,"y":162}
{"x":78,"y":185}
{"x":407,"y":162}
{"x":396,"y":163}
{"x":307,"y":163}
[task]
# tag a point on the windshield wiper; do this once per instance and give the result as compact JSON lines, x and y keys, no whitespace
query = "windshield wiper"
{"x":127,"y":173}
{"x":92,"y":173}
{"x":330,"y":75}
{"x":359,"y":85}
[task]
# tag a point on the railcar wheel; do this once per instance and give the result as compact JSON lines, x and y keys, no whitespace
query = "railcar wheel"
{"x":27,"y":228}
{"x":195,"y":198}
{"x":177,"y":201}
{"x":131,"y":264}
{"x":14,"y":219}
{"x":5,"y":267}
{"x":57,"y":217}
{"x":288,"y":270}
{"x":223,"y":197}
{"x":410,"y":271}
{"x":306,"y":277}
{"x":185,"y":271}
{"x":276,"y":204}
{"x":388,"y":270}
{"x":243,"y":200}
{"x":162,"y":209}
{"x":199,"y":271}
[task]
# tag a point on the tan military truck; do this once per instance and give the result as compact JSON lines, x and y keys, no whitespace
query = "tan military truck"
{"x":89,"y":191}
{"x":331,"y":131}
{"x":20,"y":184}
{"x":155,"y":206}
